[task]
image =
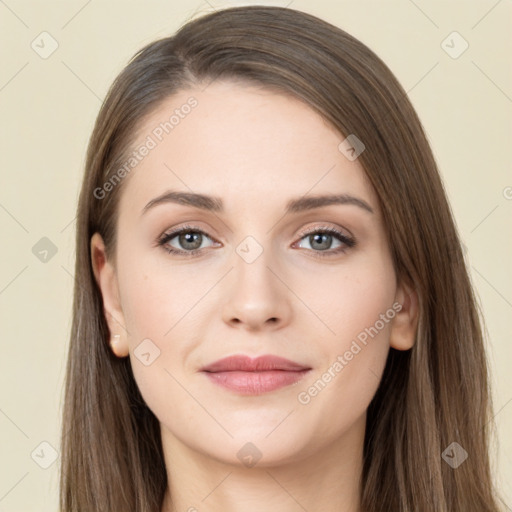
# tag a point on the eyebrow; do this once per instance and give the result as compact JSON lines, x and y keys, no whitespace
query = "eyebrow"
{"x":215,"y":204}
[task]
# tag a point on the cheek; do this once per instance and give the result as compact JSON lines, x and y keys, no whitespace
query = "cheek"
{"x":350,"y":299}
{"x":358,"y":309}
{"x":160,"y":308}
{"x":340,"y":391}
{"x":156,"y":296}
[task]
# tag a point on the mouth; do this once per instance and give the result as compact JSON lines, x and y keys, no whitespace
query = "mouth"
{"x":247,"y":376}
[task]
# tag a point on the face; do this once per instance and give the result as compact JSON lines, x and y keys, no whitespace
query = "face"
{"x":257,"y":268}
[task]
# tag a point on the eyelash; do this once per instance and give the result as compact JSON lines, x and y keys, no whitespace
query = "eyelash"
{"x":348,"y":241}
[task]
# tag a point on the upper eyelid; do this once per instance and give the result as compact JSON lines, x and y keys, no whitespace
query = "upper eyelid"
{"x":312,"y":229}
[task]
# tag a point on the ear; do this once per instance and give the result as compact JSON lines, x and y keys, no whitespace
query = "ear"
{"x":106,"y":277}
{"x":405,"y":322}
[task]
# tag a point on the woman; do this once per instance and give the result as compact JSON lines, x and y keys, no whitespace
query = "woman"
{"x":272,"y":310}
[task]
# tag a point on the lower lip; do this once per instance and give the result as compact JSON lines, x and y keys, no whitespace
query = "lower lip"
{"x":255,"y":383}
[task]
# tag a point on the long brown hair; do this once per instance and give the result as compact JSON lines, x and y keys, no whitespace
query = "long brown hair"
{"x":429,"y":397}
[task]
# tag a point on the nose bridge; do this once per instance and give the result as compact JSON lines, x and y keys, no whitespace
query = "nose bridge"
{"x":253,"y":277}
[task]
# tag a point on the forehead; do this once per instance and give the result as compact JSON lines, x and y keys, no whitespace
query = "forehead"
{"x":243,"y":143}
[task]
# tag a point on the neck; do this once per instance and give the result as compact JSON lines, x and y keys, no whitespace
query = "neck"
{"x":328,"y":480}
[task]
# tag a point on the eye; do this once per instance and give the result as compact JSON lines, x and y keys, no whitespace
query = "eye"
{"x":321,"y":240}
{"x":189,"y":241}
{"x":186,"y":241}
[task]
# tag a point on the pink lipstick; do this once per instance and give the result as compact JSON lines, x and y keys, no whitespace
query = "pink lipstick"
{"x":248,"y":376}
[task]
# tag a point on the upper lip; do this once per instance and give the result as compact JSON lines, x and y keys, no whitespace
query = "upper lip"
{"x":247,"y":364}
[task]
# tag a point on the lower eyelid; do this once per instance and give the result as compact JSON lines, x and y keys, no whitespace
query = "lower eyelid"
{"x":339,"y":236}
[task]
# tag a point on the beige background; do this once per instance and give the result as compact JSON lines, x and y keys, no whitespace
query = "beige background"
{"x":48,"y":106}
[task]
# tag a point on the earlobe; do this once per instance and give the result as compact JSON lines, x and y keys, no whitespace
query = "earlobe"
{"x":118,"y":346}
{"x":405,"y":322}
{"x":106,"y":278}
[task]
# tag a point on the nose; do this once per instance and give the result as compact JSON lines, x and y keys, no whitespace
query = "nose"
{"x":257,"y":296}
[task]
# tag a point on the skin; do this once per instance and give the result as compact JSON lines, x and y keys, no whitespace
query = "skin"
{"x":255,"y":150}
